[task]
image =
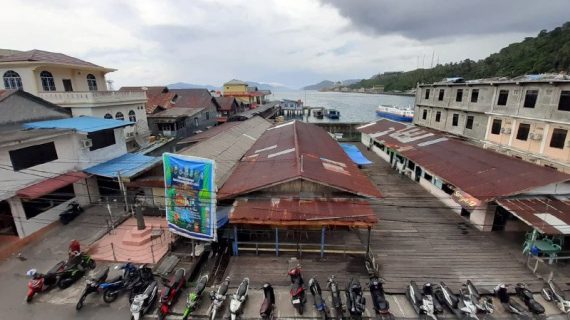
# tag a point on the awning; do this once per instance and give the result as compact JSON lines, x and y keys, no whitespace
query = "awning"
{"x":126,"y":166}
{"x":547,"y":215}
{"x":81,"y":124}
{"x":354,"y":153}
{"x":222,"y":214}
{"x":50,"y":185}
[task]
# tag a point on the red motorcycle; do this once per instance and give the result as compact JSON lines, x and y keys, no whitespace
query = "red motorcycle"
{"x":43,"y":282}
{"x":297,"y":290}
{"x":171,"y":291}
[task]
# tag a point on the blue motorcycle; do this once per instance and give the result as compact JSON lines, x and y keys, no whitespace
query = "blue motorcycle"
{"x":315,"y":289}
{"x":112,"y":288}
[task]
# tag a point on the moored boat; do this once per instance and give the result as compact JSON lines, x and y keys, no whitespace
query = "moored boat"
{"x":318,"y":113}
{"x":332,"y":114}
{"x":403,"y":114}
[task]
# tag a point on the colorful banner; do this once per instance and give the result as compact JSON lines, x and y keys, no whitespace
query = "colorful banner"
{"x":190,"y":196}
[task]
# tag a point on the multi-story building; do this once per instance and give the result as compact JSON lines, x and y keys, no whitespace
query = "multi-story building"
{"x":245,"y":94}
{"x":74,"y":84}
{"x":526,"y":117}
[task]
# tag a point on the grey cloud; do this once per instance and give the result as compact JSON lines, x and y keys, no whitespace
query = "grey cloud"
{"x":428,"y":19}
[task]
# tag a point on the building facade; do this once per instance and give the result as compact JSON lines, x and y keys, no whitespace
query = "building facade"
{"x":245,"y":94}
{"x":528,"y":117}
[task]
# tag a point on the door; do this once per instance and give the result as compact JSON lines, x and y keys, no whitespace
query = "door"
{"x":67,"y":85}
{"x":7,"y":225}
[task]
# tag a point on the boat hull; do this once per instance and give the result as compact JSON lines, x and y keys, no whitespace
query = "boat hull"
{"x":395,"y":117}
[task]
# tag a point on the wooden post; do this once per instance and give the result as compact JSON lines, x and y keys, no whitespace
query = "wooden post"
{"x":322,"y":241}
{"x":368,"y":242}
{"x":277,"y":242}
{"x":113,"y":251}
{"x":236,"y":253}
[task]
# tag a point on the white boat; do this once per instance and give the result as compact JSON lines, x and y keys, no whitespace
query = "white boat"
{"x":403,"y":114}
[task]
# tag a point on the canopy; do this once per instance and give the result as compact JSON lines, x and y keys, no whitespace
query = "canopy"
{"x":50,"y":185}
{"x":81,"y":124}
{"x":126,"y":166}
{"x":547,"y":215}
{"x":354,"y":153}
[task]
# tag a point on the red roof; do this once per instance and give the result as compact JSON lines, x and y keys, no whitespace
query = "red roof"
{"x":296,"y":150}
{"x":50,"y":185}
{"x":157,"y":97}
{"x":227,"y":103}
{"x":46,"y":56}
{"x":548,"y":215}
{"x":194,"y":98}
{"x":482,"y":173}
{"x":6,"y":93}
{"x":296,"y":212}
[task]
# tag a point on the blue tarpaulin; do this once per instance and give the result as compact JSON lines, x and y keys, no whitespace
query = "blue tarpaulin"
{"x":222,"y":213}
{"x":127,"y":165}
{"x":354,"y":153}
{"x":81,"y":124}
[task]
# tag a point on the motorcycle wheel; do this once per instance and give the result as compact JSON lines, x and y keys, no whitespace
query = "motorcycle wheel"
{"x":299,"y":308}
{"x":79,"y":304}
{"x":29,"y":298}
{"x":91,"y":265}
{"x":110,"y":296}
{"x":64,"y":283}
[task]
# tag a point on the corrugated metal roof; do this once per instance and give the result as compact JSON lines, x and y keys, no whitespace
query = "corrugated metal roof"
{"x":50,"y":185}
{"x":482,"y":173}
{"x":46,"y":56}
{"x":296,"y":150}
{"x":547,"y":215}
{"x":176,"y":112}
{"x":81,"y":124}
{"x":209,"y":133}
{"x":297,"y":212}
{"x":127,"y":166}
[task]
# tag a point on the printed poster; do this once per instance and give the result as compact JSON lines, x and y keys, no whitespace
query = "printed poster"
{"x":190,"y":196}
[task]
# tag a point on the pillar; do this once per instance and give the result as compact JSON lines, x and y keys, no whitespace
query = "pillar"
{"x":368,"y":241}
{"x":322,"y":241}
{"x":277,"y":241}
{"x":236,"y":252}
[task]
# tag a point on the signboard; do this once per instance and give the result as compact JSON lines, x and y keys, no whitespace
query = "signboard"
{"x":190,"y":196}
{"x":465,"y":200}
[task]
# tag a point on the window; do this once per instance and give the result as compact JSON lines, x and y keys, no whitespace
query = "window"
{"x":47,"y":81}
{"x":530,"y":98}
{"x":132,"y":116}
{"x":503,"y":97}
{"x":101,"y":139}
{"x":424,"y":114}
{"x":496,"y":128}
{"x":558,"y":138}
{"x":522,"y":133}
{"x":455,"y":120}
{"x":427,"y":94}
{"x":108,"y":116}
{"x":207,"y":116}
{"x":12,"y":80}
{"x":119,"y":116}
{"x":459,"y":95}
{"x":91,"y":82}
{"x":195,"y":122}
{"x":564,"y":103}
{"x":469,"y":123}
{"x":441,"y":94}
{"x":32,"y":156}
{"x":474,"y":95}
{"x":438,"y":116}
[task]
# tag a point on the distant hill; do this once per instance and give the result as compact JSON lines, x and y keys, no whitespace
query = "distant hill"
{"x":547,"y":52}
{"x":325,"y":84}
{"x":267,"y":86}
{"x":184,"y":85}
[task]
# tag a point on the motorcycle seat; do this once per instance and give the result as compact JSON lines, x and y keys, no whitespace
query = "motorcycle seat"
{"x":115,"y":279}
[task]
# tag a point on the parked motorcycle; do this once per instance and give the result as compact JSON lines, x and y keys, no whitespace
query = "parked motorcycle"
{"x":74,"y":269}
{"x":171,"y":291}
{"x":552,"y":292}
{"x":218,"y":298}
{"x":71,"y":212}
{"x":92,"y":285}
{"x":511,"y":306}
{"x":144,"y":301}
{"x":112,"y":288}
{"x":484,"y":305}
{"x":297,"y":292}
{"x":355,"y":300}
{"x":381,"y":305}
{"x":268,"y":304}
{"x":238,"y":299}
{"x":318,"y":300}
{"x":194,"y":297}
{"x":41,"y":282}
{"x":335,"y":295}
{"x":527,"y":297}
{"x":423,"y":301}
{"x":140,"y":281}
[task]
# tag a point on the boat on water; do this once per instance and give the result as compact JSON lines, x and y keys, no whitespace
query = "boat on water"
{"x":332,"y":114}
{"x":319,"y":113}
{"x":403,"y":114}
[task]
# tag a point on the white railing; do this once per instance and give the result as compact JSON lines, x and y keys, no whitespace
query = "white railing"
{"x":86,"y":97}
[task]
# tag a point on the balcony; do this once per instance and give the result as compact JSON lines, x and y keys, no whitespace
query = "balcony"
{"x":93,"y":98}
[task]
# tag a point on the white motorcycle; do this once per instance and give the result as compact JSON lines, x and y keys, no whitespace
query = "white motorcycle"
{"x":238,"y":299}
{"x":218,"y":298}
{"x":551,"y":292}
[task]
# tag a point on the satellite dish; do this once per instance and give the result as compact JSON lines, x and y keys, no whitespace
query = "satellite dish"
{"x":141,"y":133}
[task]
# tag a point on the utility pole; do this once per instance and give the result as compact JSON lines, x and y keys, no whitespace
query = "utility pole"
{"x":138,"y":214}
{"x":123,"y":189}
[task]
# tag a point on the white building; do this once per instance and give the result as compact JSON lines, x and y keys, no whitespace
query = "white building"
{"x":75,"y":84}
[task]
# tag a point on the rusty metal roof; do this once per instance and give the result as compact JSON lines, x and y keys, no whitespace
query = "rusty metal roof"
{"x":482,"y":173}
{"x":296,"y":150}
{"x":547,"y":215}
{"x":299,"y":212}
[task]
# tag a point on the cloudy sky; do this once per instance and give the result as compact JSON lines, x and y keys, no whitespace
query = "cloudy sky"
{"x":290,"y":42}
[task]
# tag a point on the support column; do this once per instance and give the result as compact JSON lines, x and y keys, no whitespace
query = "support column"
{"x":323,"y":241}
{"x":368,"y":241}
{"x":277,"y":241}
{"x":236,"y":252}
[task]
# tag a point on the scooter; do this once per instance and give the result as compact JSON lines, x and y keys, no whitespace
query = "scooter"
{"x":501,"y":290}
{"x":141,"y":281}
{"x":218,"y":298}
{"x":318,"y":300}
{"x":71,"y":212}
{"x":74,"y":269}
{"x":41,"y":282}
{"x":92,"y":285}
{"x":297,"y":292}
{"x":171,"y":291}
{"x":335,"y":295}
{"x":144,"y":301}
{"x":526,"y":296}
{"x":238,"y":299}
{"x":466,"y":305}
{"x":552,"y":292}
{"x":484,"y":305}
{"x":423,"y":301}
{"x":267,"y":306}
{"x":381,"y":305}
{"x":355,"y":301}
{"x":125,"y":281}
{"x":194,"y":297}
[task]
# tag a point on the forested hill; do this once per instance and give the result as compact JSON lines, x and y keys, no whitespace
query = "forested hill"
{"x":547,"y":52}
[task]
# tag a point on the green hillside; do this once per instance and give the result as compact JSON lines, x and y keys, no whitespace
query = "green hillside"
{"x":547,"y":52}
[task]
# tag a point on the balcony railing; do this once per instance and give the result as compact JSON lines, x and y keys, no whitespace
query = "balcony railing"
{"x":92,"y":97}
